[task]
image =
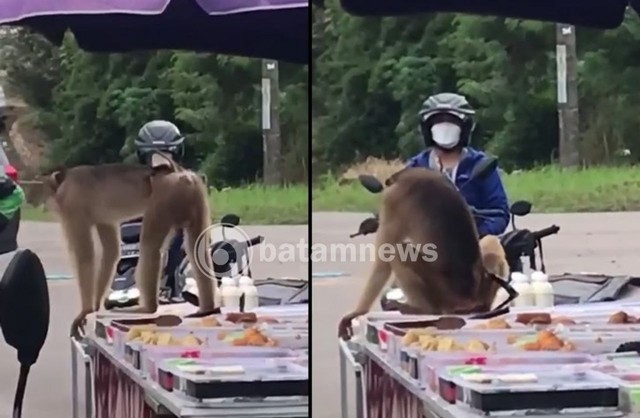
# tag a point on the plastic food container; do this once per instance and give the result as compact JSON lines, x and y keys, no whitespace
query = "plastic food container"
{"x":431,"y":365}
{"x":408,"y":357}
{"x":260,"y":378}
{"x":553,"y":390}
{"x":151,"y":356}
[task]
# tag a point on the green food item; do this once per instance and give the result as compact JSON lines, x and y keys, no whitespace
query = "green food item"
{"x":458,"y":370}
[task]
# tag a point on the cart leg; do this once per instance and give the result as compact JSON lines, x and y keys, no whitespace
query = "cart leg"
{"x":359,"y":395}
{"x":343,"y":385}
{"x":74,"y":381}
{"x":88,"y":385}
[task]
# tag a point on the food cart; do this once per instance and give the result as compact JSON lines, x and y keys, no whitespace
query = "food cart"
{"x":116,"y":375}
{"x":587,"y":368}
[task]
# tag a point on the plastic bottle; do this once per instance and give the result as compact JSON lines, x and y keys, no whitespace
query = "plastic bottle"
{"x":542,"y":290}
{"x":250,"y":293}
{"x":525,"y":292}
{"x":228,"y":293}
{"x":217,"y":296}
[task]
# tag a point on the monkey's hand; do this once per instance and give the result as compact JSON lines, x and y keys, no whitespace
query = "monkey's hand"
{"x":345,"y":331}
{"x":77,"y":326}
{"x":202,"y":314}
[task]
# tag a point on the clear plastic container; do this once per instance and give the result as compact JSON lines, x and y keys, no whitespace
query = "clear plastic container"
{"x":151,"y":356}
{"x":629,"y":398}
{"x":256,"y":378}
{"x":431,"y":364}
{"x":552,"y":390}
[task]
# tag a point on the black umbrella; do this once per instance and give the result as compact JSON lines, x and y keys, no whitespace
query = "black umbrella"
{"x":274,"y":29}
{"x":603,"y":14}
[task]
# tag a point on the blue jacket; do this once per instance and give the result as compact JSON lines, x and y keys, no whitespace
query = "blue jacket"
{"x":481,"y":194}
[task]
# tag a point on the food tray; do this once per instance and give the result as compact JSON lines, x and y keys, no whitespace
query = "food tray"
{"x":557,"y":390}
{"x":431,"y":366}
{"x":151,"y":356}
{"x":263,"y":378}
{"x":498,"y":342}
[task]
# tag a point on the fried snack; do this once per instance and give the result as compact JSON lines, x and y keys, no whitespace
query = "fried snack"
{"x":446,"y":344}
{"x":498,"y":323}
{"x":210,"y":321}
{"x":254,"y":338}
{"x":619,"y":318}
{"x":191,"y":340}
{"x":136,"y":332}
{"x":563,"y":320}
{"x":534,"y":318}
{"x":413,"y":335}
{"x":244,"y":317}
{"x":476,"y":346}
{"x":549,"y":342}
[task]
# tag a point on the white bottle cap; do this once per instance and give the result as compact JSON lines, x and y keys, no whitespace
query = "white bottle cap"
{"x":518,"y":277}
{"x":538,"y":276}
{"x":228,"y":281}
{"x":245,"y":281}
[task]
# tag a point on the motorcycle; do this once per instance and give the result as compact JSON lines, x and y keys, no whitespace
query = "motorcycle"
{"x":517,"y":243}
{"x":123,"y":291}
{"x":231,"y":259}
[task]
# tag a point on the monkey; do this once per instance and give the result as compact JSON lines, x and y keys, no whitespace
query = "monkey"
{"x":423,"y":207}
{"x":100,"y":197}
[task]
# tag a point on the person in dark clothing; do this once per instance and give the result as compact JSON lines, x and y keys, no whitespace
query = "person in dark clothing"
{"x":446,"y":124}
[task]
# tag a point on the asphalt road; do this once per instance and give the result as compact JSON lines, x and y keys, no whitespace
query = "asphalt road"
{"x":49,"y":387}
{"x":597,"y":242}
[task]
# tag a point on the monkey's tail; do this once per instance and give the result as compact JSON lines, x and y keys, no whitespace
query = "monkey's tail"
{"x":20,"y":390}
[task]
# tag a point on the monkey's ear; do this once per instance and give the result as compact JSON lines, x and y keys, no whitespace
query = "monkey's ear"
{"x":54,"y":180}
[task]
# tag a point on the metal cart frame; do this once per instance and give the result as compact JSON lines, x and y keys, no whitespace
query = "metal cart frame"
{"x":81,"y":352}
{"x":352,"y":356}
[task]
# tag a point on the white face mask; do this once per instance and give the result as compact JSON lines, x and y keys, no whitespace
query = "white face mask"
{"x":446,"y":134}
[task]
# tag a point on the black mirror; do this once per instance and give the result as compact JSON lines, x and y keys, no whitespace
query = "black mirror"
{"x":484,"y":167}
{"x":24,"y":313}
{"x":370,"y":183}
{"x":368,"y":226}
{"x":230,"y":219}
{"x":520,"y":208}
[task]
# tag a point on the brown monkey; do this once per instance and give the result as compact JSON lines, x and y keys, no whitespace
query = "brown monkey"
{"x":423,"y":207}
{"x":101,"y":197}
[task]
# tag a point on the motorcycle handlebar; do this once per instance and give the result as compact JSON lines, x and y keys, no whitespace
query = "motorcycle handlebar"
{"x":254,"y":241}
{"x":545,"y":232}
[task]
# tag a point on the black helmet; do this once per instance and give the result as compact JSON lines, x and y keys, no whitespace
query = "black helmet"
{"x":454,"y":105}
{"x":159,"y":135}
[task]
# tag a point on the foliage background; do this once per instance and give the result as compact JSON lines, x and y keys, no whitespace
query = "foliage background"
{"x":89,"y":107}
{"x":371,"y":75}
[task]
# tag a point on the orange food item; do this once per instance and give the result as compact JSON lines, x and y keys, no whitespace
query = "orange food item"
{"x":534,"y":346}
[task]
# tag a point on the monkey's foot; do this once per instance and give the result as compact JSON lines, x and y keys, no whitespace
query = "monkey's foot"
{"x":202,"y":314}
{"x":136,"y":309}
{"x":77,"y":326}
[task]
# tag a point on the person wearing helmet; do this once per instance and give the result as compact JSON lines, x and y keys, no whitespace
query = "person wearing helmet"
{"x":446,"y":124}
{"x":159,"y":136}
{"x":164,"y":137}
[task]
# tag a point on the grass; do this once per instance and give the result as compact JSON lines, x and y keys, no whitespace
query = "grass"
{"x":550,"y":189}
{"x":255,"y":204}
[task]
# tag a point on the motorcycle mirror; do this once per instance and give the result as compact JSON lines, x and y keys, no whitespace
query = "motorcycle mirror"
{"x":24,"y":313}
{"x":368,"y":226}
{"x":483,"y":168}
{"x":230,"y":219}
{"x":370,"y":183}
{"x":521,"y":208}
